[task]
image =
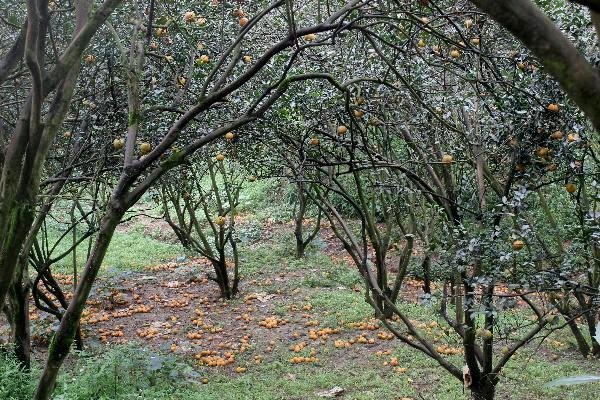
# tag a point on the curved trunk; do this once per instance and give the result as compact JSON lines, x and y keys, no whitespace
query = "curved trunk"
{"x":63,"y":338}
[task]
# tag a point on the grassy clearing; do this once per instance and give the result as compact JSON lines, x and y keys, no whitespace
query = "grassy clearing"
{"x":130,"y":249}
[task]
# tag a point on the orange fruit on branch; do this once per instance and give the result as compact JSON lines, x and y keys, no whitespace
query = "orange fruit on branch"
{"x":145,"y":148}
{"x":447,"y":159}
{"x":118,"y":144}
{"x":189,"y":16}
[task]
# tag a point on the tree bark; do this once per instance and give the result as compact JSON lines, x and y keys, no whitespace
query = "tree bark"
{"x":485,"y":390}
{"x":63,"y":338}
{"x":17,"y":312}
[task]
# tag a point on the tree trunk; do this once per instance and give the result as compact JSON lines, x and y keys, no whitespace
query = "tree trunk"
{"x":299,"y":242}
{"x":63,"y":338}
{"x":17,"y":312}
{"x":427,"y":274}
{"x":485,"y":390}
{"x":20,"y":220}
{"x":299,"y":219}
{"x":222,"y":278}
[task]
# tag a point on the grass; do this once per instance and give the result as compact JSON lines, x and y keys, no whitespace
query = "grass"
{"x":131,"y":249}
{"x":130,"y":373}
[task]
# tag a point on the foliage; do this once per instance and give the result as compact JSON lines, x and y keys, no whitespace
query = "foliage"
{"x":15,"y":384}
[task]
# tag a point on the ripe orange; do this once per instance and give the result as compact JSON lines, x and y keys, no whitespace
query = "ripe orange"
{"x":342,"y":130}
{"x":310,"y":37}
{"x":447,"y":159}
{"x":314,"y":141}
{"x":520,"y":167}
{"x":571,"y":187}
{"x":220,"y":220}
{"x":229,"y":135}
{"x":553,"y":107}
{"x":189,"y":16}
{"x":145,"y":148}
{"x":220,"y":157}
{"x":557,"y":135}
{"x":243,"y":21}
{"x":118,"y":144}
{"x":518,"y":245}
{"x":455,"y":53}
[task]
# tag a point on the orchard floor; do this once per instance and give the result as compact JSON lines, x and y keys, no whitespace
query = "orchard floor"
{"x":297,"y":329}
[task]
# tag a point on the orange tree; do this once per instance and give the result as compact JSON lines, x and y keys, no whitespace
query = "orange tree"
{"x":39,"y":95}
{"x":563,"y":37}
{"x":471,"y":133}
{"x":545,"y":30}
{"x":200,"y":206}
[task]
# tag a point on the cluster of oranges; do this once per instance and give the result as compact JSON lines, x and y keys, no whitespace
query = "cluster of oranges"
{"x":449,"y":351}
{"x":340,"y":344}
{"x":177,"y":303}
{"x":94,"y":319}
{"x":142,"y":309}
{"x":217,"y":361}
{"x":195,"y":335}
{"x":273,"y":322}
{"x":322,"y":333}
{"x":298,"y":360}
{"x":364,"y":326}
{"x":106,"y":333}
{"x":148,"y":333}
{"x":385,"y":335}
{"x":298,"y":347}
{"x":241,"y":15}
